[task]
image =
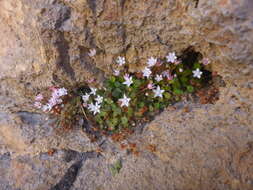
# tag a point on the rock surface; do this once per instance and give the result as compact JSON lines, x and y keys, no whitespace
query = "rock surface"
{"x":46,"y":42}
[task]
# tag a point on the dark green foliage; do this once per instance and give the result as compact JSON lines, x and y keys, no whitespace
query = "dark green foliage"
{"x":143,"y":104}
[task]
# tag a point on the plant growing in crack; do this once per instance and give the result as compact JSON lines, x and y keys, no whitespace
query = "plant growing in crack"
{"x":127,"y":99}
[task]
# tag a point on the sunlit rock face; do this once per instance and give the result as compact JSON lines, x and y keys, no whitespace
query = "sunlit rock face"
{"x":47,"y":42}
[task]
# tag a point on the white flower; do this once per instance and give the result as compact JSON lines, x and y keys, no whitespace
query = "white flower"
{"x":121,"y":60}
{"x":54,"y":100}
{"x":158,"y":78}
{"x":95,"y":108}
{"x":158,"y":92}
{"x":92,"y":52}
{"x":39,"y":97}
{"x":93,"y":91}
{"x":85,"y":97}
{"x":62,"y":91}
{"x":197,"y":73}
{"x":146,"y":72}
{"x":46,"y":107}
{"x":116,"y":72}
{"x":59,"y":92}
{"x":37,"y":104}
{"x":151,"y":61}
{"x":171,"y":57}
{"x":125,"y":101}
{"x":128,"y":80}
{"x":99,"y":99}
{"x":181,"y":70}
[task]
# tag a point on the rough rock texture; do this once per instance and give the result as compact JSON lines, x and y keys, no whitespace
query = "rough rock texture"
{"x":46,"y":42}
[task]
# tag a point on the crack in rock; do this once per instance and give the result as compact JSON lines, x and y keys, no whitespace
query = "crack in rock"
{"x":69,"y":178}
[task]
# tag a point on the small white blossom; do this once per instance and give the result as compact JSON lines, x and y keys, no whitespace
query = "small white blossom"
{"x":46,"y":107}
{"x":197,"y":73}
{"x":54,"y":100}
{"x":128,"y":80}
{"x":92,"y":52}
{"x":116,"y":72}
{"x":125,"y":101}
{"x":86,"y":97}
{"x":59,"y":92}
{"x":171,"y":57}
{"x":121,"y":60}
{"x":181,"y":70}
{"x":151,"y":61}
{"x":99,"y":99}
{"x":146,"y":72}
{"x":158,"y":78}
{"x":158,"y":92}
{"x":62,"y":91}
{"x":93,"y":91}
{"x":95,"y":108}
{"x":39,"y":97}
{"x":37,"y":104}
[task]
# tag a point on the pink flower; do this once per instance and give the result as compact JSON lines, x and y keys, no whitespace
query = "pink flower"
{"x":37,"y":104}
{"x":150,"y":86}
{"x":170,"y":77}
{"x":167,"y":74}
{"x":90,"y":80}
{"x":205,"y":61}
{"x":177,"y":62}
{"x":39,"y":97}
{"x":52,"y":88}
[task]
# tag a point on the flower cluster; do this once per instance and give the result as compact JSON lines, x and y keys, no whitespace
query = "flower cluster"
{"x":129,"y":98}
{"x":90,"y":105}
{"x":55,"y":99}
{"x":121,"y":101}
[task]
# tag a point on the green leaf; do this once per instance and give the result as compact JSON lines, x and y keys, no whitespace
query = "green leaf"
{"x":115,"y":168}
{"x":137,"y":83}
{"x":178,"y":91}
{"x":190,"y":88}
{"x":124,"y":120}
{"x":115,"y":121}
{"x":103,"y":113}
{"x":112,"y":79}
{"x":196,"y":65}
{"x":184,"y":80}
{"x":116,"y":93}
{"x":141,"y":104}
{"x":117,"y":84}
{"x":151,"y":108}
{"x":157,"y":105}
{"x":130,"y":112}
{"x":167,"y":95}
{"x":116,"y":111}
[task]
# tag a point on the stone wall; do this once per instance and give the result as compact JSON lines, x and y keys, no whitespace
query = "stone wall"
{"x":46,"y":42}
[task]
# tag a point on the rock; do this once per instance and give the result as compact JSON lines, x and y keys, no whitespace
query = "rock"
{"x":46,"y":42}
